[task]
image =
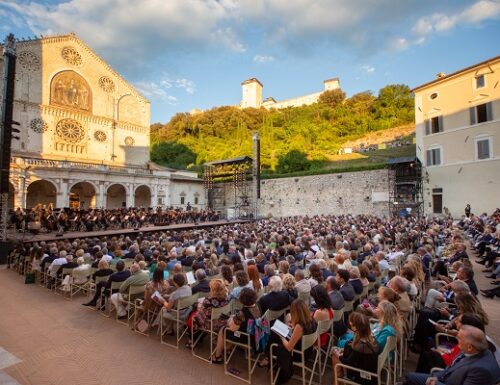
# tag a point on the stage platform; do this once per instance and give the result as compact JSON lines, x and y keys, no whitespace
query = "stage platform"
{"x":28,"y":237}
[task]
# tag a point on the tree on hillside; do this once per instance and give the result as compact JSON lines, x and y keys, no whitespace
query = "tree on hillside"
{"x":172,"y":154}
{"x":294,"y":160}
{"x":332,"y":98}
{"x":396,"y":95}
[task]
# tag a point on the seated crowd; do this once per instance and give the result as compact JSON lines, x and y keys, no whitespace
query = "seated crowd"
{"x":377,"y":283}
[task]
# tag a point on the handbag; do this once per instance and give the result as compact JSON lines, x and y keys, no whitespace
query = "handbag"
{"x":142,"y":326}
{"x":29,"y":278}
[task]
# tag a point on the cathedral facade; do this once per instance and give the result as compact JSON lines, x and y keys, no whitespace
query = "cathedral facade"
{"x":84,"y":138}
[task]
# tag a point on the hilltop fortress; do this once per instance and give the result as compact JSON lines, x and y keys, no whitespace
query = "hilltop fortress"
{"x":252,"y":95}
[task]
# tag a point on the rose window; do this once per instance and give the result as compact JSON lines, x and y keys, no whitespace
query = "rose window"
{"x":39,"y":125}
{"x":129,"y":141}
{"x":70,"y":130}
{"x":72,"y":56}
{"x":100,"y":136}
{"x":107,"y":84}
{"x":29,"y":61}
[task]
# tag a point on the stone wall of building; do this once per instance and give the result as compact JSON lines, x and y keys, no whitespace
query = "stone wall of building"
{"x":363,"y":192}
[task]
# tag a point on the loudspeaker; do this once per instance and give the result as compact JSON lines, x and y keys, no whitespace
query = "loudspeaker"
{"x":5,"y":248}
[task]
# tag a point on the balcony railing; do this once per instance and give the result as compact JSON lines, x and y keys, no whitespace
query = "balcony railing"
{"x":66,"y":164}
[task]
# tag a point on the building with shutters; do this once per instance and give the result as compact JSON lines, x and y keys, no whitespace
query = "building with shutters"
{"x":457,"y":119}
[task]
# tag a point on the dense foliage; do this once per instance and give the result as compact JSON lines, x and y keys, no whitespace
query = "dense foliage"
{"x":318,"y":130}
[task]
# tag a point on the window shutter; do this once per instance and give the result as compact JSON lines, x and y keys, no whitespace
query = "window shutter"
{"x":472,"y":115}
{"x":489,"y":112}
{"x":427,"y":127}
{"x":428,"y":157}
{"x":437,"y":156}
{"x":441,"y":127}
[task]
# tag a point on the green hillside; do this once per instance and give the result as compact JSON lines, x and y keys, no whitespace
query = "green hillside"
{"x":315,"y":132}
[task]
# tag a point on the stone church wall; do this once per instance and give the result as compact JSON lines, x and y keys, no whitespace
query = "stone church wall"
{"x":363,"y":192}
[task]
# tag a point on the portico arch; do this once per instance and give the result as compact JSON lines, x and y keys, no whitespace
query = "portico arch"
{"x":82,"y":195}
{"x":142,"y":196}
{"x":41,"y":192}
{"x":116,"y":196}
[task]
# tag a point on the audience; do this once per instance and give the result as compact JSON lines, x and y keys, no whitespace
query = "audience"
{"x":322,"y":260}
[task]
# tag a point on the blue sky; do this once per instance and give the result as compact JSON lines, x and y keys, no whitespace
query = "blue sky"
{"x":186,"y":54}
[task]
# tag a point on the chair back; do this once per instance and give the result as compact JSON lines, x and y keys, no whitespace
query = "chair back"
{"x":115,"y":286}
{"x":348,"y":306}
{"x":237,"y":305}
{"x":364,"y":293}
{"x":390,"y":345}
{"x":218,"y":311}
{"x":81,"y":275}
{"x":101,"y":278}
{"x":324,"y":326}
{"x":134,"y":290}
{"x":272,"y":315}
{"x":338,"y":315}
{"x":185,"y":302}
{"x":67,"y":271}
{"x":305,"y":296}
{"x":308,"y":340}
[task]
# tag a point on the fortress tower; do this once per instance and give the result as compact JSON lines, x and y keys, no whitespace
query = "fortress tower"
{"x":252,"y":93}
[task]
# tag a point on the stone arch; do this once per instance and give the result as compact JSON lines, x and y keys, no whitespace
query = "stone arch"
{"x":142,"y":196}
{"x":70,"y":89}
{"x":116,"y":196}
{"x":12,"y":192}
{"x":83,"y":195}
{"x":42,"y":191}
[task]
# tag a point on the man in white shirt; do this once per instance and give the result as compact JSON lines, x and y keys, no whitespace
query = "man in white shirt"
{"x":54,"y":266}
{"x":105,"y":255}
{"x":302,"y":285}
{"x":382,"y":263}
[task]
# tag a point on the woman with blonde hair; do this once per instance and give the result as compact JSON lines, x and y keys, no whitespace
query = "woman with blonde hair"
{"x":389,"y":322}
{"x":217,"y":298}
{"x":103,"y":269}
{"x":283,"y":268}
{"x":414,"y":261}
{"x":289,"y":285}
{"x":212,"y":262}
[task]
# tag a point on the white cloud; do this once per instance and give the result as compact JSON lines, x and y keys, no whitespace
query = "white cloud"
{"x":398,"y":44}
{"x":474,"y":14}
{"x":263,"y":58}
{"x":157,"y":91}
{"x":368,"y":68}
{"x":187,"y":84}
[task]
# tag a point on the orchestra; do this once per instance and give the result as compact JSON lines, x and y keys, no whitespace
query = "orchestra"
{"x":46,"y":218}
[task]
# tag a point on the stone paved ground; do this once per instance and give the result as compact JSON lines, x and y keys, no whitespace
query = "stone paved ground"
{"x":61,"y":342}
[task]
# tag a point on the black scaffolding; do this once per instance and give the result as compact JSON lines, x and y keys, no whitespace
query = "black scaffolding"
{"x":405,"y":186}
{"x":228,"y":187}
